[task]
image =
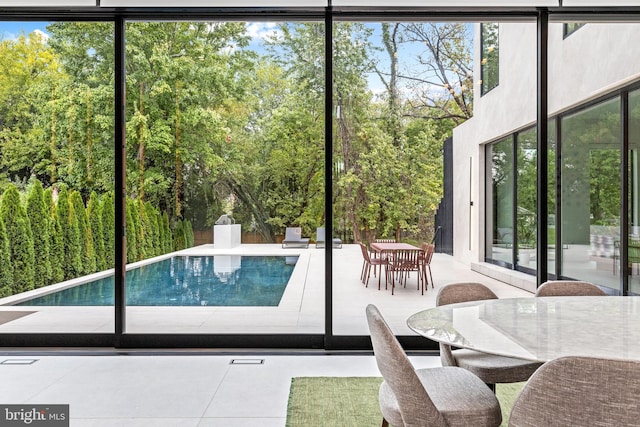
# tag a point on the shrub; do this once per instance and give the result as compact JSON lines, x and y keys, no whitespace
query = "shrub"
{"x":65,"y":216}
{"x":152,"y":230}
{"x":56,"y":243}
{"x":19,"y":238}
{"x":179,"y":236}
{"x":168,"y":236}
{"x":108,"y":219}
{"x":94,"y":215}
{"x":132,"y":233}
{"x":40,"y":222}
{"x":86,"y":238}
{"x":6,"y":273}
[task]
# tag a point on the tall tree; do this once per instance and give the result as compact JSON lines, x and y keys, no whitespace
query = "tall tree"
{"x":94,"y":215}
{"x":6,"y":272}
{"x":86,"y":238}
{"x":40,"y":222}
{"x":133,"y":252}
{"x":443,"y":86}
{"x":56,"y":241}
{"x":20,"y":239}
{"x":28,"y":68}
{"x":107,"y":216}
{"x":68,"y":225}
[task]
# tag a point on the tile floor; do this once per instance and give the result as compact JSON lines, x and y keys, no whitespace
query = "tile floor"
{"x":171,"y":390}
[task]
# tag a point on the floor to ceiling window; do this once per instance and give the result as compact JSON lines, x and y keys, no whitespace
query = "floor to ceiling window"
{"x":399,"y":89}
{"x":500,"y":186}
{"x":56,"y":177}
{"x":225,"y":144}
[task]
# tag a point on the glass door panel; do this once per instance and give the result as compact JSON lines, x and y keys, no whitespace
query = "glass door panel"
{"x":591,"y":193}
{"x":225,"y":177}
{"x":56,"y":177}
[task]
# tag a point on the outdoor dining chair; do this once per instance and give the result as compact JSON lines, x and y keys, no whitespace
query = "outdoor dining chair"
{"x":444,"y":396}
{"x":401,"y":264}
{"x":489,"y":368}
{"x":427,"y":256}
{"x":368,"y":263}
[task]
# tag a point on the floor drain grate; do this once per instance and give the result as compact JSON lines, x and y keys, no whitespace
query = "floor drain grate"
{"x":247,"y":361}
{"x":18,"y":362}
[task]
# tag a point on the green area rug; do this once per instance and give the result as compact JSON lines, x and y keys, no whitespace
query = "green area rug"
{"x":353,"y":401}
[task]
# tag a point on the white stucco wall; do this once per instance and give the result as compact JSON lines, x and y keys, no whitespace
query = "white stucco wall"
{"x":592,"y":61}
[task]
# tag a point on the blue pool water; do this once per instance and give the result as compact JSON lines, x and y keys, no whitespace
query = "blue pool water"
{"x":220,"y":280}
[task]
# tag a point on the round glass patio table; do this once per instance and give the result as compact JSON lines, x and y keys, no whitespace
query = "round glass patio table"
{"x":538,"y":328}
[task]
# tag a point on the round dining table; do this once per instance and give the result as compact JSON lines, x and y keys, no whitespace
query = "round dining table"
{"x":538,"y":328}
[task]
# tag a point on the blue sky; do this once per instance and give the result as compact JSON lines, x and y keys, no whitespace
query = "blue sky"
{"x":257,"y":31}
{"x":10,"y":30}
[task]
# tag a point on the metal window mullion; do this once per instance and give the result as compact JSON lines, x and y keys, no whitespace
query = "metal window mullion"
{"x":328,"y":179}
{"x":558,"y":171}
{"x":624,"y":193}
{"x":514,"y":198}
{"x":543,"y":145}
{"x":120,"y":182}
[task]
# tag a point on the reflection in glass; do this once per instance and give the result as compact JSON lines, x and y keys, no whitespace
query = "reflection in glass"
{"x":634,"y":193}
{"x":590,"y":188}
{"x":551,"y":198}
{"x":489,"y":63}
{"x":500,"y":200}
{"x":526,"y":195}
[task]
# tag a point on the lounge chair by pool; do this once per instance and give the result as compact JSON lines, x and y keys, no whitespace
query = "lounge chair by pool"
{"x":321,"y":239}
{"x":293,"y":237}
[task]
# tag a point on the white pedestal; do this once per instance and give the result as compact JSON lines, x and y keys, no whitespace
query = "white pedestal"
{"x":226,"y":236}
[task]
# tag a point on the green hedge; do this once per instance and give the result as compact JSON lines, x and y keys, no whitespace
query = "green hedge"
{"x":53,"y":236}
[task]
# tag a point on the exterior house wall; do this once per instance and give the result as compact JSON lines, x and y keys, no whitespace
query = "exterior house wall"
{"x":592,"y":61}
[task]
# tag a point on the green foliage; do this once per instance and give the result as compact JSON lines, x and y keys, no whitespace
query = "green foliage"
{"x":155,"y":230}
{"x":94,"y":215}
{"x":6,"y":272}
{"x":85,"y":234}
{"x":40,"y":221}
{"x":133,"y":252}
{"x":188,"y":234}
{"x":68,"y":225}
{"x":29,"y":67}
{"x":142,"y":229}
{"x":168,"y":236}
{"x":180,"y":240}
{"x":20,"y":239}
{"x":213,"y":129}
{"x":107,"y":217}
{"x":56,"y":242}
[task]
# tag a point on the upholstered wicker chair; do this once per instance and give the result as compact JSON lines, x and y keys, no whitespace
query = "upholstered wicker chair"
{"x":565,"y":288}
{"x":426,"y":397}
{"x":580,"y":391}
{"x":489,"y":368}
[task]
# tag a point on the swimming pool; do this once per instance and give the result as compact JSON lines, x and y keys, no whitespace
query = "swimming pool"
{"x":220,"y":280}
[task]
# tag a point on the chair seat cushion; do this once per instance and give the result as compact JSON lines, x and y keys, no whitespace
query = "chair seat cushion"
{"x":495,"y":369}
{"x":461,"y":397}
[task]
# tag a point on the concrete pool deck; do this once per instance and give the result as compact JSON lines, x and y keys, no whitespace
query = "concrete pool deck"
{"x":301,"y":310}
